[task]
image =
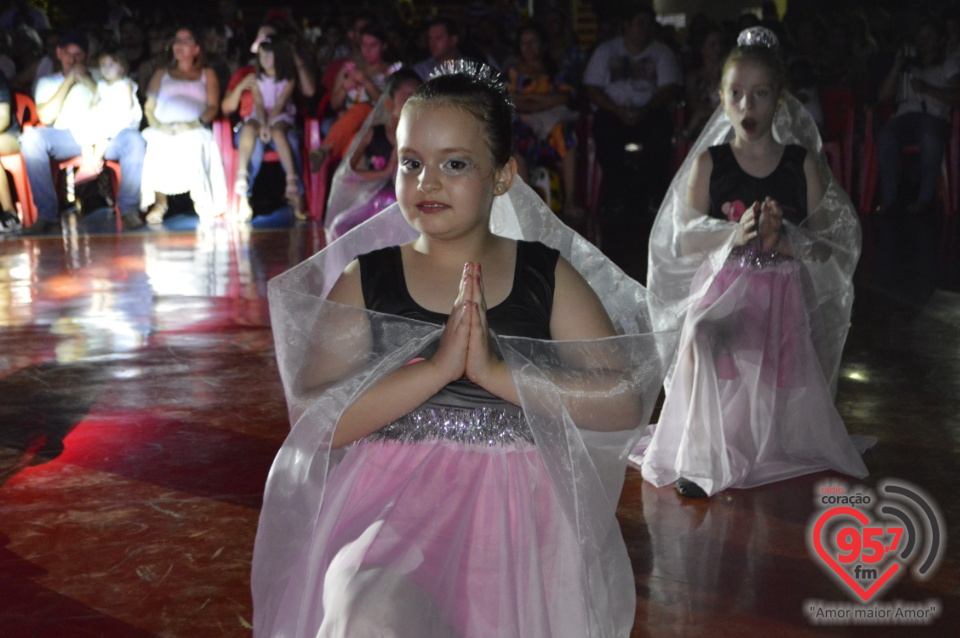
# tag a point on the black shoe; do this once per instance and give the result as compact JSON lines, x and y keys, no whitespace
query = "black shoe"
{"x":689,"y":489}
{"x":42,"y":227}
{"x":132,"y":221}
{"x":9,"y":222}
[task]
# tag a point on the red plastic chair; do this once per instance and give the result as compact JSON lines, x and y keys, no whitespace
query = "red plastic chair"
{"x":839,"y":112}
{"x":26,"y":114}
{"x":74,"y":163}
{"x":317,"y":183}
{"x":223,"y":134}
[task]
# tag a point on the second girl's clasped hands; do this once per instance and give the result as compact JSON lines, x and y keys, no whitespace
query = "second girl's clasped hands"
{"x":765,"y":219}
{"x":464,"y":349}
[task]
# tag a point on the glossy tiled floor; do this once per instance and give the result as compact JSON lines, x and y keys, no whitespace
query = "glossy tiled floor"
{"x":140,"y":408}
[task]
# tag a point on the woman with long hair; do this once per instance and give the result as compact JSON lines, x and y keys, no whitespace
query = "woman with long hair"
{"x":182,"y":157}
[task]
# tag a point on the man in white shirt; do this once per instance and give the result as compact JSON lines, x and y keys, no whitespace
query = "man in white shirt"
{"x":632,"y":82}
{"x":64,"y":107}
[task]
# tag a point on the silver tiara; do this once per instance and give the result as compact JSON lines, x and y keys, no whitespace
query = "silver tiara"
{"x":478,"y":72}
{"x":758,"y":37}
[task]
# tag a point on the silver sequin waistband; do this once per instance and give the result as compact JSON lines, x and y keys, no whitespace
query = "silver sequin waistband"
{"x":752,"y":257}
{"x":480,"y":426}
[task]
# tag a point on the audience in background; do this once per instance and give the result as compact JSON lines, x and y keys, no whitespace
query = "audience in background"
{"x":64,"y":102}
{"x":24,"y":12}
{"x":8,"y":68}
{"x":159,"y":37}
{"x":271,"y":122}
{"x":363,"y":184}
{"x":443,"y":39}
{"x":639,"y":74}
{"x":924,"y":85}
{"x":182,"y":101}
{"x":544,"y":127}
{"x":633,"y":82}
{"x":26,"y":49}
{"x":218,"y":59}
{"x":356,"y":89}
{"x":115,"y":109}
{"x":9,"y":131}
{"x":563,"y":47}
{"x":135,"y":46}
{"x":333,"y":44}
{"x":702,"y":80}
{"x":362,"y":81}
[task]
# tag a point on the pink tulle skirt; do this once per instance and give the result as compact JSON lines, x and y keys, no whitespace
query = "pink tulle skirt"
{"x":440,"y":539}
{"x":749,"y":402}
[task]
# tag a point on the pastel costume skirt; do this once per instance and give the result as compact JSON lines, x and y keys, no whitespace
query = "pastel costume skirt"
{"x":749,"y":402}
{"x":438,"y":537}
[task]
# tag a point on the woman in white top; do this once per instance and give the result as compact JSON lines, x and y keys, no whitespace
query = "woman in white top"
{"x":182,"y":156}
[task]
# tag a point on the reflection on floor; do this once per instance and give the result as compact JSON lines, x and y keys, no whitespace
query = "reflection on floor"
{"x":140,"y":409}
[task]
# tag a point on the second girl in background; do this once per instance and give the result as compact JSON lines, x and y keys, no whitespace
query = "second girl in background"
{"x":755,"y":256}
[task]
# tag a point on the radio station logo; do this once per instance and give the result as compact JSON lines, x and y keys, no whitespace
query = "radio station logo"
{"x":866,"y":541}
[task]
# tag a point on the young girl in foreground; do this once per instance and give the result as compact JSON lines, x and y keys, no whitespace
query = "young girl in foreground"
{"x":462,"y":404}
{"x":756,"y":259}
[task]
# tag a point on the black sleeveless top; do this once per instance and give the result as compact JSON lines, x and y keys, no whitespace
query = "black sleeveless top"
{"x":787,"y":184}
{"x":524,"y":313}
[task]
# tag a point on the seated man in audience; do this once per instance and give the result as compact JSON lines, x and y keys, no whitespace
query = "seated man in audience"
{"x":632,"y":81}
{"x":64,"y":107}
{"x":442,"y":38}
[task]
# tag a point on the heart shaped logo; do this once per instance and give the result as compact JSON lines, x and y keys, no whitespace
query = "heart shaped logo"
{"x":826,"y":554}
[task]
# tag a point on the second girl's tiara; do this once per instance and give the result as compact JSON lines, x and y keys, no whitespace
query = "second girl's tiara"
{"x":758,"y":37}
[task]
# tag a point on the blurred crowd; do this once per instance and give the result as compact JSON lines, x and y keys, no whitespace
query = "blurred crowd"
{"x":632,"y":88}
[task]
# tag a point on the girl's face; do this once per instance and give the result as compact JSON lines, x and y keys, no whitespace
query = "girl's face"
{"x":371,"y":48}
{"x":749,"y":98}
{"x":184,"y":46}
{"x":267,"y":58}
{"x":110,"y":69}
{"x":446,"y":177}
